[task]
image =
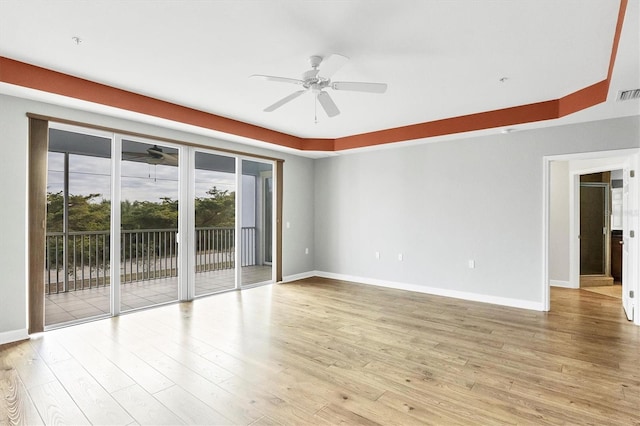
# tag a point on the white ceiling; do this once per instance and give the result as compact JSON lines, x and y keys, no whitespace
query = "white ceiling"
{"x":440,"y":58}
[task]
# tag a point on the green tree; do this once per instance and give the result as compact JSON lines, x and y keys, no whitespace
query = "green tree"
{"x":90,"y":213}
{"x":149,"y":215}
{"x":218,"y":209}
{"x":86,"y":212}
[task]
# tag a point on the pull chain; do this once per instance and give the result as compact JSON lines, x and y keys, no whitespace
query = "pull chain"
{"x":315,"y":109}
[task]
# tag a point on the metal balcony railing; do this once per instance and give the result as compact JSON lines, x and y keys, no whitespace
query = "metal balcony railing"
{"x":145,"y":255}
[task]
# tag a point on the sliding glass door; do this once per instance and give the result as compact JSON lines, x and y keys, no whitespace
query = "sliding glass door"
{"x":149,"y":194}
{"x":214,"y":236}
{"x":120,"y":237}
{"x":256,"y":242}
{"x":77,"y":241}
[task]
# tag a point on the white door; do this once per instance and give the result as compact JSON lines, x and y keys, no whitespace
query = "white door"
{"x":630,"y":236}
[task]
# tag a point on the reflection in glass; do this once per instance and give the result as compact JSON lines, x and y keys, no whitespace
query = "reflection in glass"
{"x":149,"y":225}
{"x":215,"y":217}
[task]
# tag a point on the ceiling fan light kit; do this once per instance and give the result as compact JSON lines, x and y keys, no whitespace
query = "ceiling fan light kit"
{"x":317,"y":79}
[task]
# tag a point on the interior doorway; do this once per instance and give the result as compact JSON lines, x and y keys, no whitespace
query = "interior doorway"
{"x":615,"y":224}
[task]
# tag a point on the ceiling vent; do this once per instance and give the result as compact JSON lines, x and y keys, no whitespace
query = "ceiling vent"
{"x":627,"y":95}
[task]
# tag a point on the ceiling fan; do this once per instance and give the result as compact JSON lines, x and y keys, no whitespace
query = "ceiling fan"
{"x":153,"y":155}
{"x":317,"y":79}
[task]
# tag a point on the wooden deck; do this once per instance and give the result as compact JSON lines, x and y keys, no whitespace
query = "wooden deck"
{"x":321,"y":351}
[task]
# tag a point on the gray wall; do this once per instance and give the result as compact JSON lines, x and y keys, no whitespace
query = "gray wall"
{"x":298,"y":198}
{"x":442,"y":204}
{"x":559,"y":215}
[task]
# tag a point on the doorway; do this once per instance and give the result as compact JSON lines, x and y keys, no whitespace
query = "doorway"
{"x":562,"y":233}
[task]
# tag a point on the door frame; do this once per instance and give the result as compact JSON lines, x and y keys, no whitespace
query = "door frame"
{"x":601,"y":161}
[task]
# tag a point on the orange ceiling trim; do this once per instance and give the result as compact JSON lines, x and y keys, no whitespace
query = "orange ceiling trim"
{"x":319,"y":145}
{"x":616,"y":39}
{"x":31,"y":76}
{"x":34,"y":77}
{"x":583,"y":98}
{"x":466,"y":123}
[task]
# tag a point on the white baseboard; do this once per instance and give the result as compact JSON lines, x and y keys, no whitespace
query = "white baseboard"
{"x":301,"y":276}
{"x":13,"y":336}
{"x":559,"y":283}
{"x":475,"y":297}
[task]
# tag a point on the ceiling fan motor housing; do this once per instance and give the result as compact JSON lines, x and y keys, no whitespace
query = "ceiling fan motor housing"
{"x":315,"y":61}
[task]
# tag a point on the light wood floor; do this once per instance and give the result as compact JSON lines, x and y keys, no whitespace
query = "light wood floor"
{"x":327,"y":352}
{"x":608,"y":290}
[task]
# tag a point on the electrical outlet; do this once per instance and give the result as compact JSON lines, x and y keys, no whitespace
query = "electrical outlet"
{"x":400,"y":257}
{"x":377,"y":255}
{"x":306,"y":251}
{"x":472,"y":264}
{"x":288,"y":225}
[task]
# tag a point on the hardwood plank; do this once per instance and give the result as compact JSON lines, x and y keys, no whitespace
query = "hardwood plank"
{"x":138,"y":370}
{"x":189,"y":408}
{"x":56,"y":406}
{"x":96,"y":403}
{"x":144,"y":408}
{"x":337,"y":415}
{"x":106,"y":373}
{"x":16,"y":407}
{"x":265,"y":421}
{"x":274,"y":407}
{"x":33,"y":371}
{"x":217,"y":398}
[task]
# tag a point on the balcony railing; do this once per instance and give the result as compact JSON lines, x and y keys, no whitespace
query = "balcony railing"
{"x":145,"y":255}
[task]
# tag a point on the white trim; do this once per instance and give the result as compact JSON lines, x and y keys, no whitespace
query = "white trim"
{"x":546,"y":225}
{"x":13,"y":336}
{"x":301,"y":276}
{"x":563,"y":284}
{"x":573,"y":244}
{"x":474,"y":297}
{"x":186,"y":288}
{"x":116,"y":222}
{"x":238,"y":224}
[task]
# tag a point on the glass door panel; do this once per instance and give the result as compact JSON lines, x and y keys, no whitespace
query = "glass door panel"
{"x":149,"y":224}
{"x":256,"y":237}
{"x":593,"y":228}
{"x":215,"y":218}
{"x":78,"y":225}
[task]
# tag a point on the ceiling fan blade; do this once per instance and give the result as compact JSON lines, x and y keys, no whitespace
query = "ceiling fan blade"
{"x":169,"y":159}
{"x":277,"y":79}
{"x":327,"y":103}
{"x":359,"y":87}
{"x":330,"y":65}
{"x":134,"y":156}
{"x":284,"y":101}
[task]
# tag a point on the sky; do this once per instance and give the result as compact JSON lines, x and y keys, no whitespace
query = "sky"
{"x":140,"y":181}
